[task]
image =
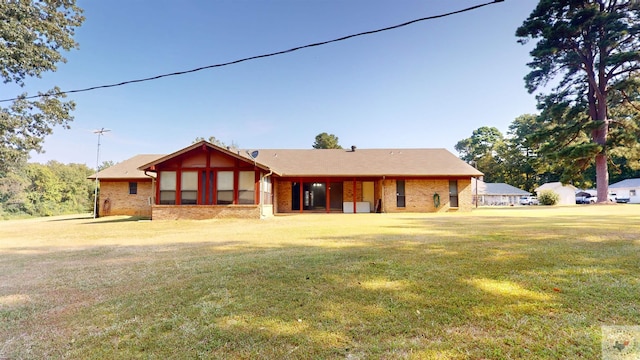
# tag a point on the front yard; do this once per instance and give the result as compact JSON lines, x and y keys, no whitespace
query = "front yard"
{"x":496,"y":283}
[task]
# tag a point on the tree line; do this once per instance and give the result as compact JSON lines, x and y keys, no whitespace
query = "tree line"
{"x":53,"y":188}
{"x":521,"y":159}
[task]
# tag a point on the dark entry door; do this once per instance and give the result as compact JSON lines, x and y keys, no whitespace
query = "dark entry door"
{"x":314,"y":196}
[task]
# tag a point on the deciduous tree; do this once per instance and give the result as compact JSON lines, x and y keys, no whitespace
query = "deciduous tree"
{"x":32,"y":36}
{"x":481,"y":150}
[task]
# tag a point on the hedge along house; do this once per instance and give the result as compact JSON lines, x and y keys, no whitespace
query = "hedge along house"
{"x":207,"y":181}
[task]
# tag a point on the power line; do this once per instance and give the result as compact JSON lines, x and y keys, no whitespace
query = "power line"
{"x":261,"y":56}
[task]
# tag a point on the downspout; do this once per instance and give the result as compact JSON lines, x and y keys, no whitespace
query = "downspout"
{"x":477,"y":184}
{"x":262,"y":193}
{"x":153,"y":191}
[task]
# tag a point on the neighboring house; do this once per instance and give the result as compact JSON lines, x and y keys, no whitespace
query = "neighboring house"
{"x":205,"y":181}
{"x":567,"y":192}
{"x":496,"y":193}
{"x":626,"y":189}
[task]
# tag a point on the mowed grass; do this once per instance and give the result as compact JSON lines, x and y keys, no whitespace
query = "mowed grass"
{"x":504,"y":283}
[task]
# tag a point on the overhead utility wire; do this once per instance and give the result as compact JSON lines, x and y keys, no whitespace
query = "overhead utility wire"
{"x":261,"y":56}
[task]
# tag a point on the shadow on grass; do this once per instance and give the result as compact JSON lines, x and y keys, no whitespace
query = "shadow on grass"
{"x":490,"y":290}
{"x":72,"y":218}
{"x":108,"y":220}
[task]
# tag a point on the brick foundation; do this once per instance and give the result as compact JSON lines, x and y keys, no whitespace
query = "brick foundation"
{"x":203,"y":212}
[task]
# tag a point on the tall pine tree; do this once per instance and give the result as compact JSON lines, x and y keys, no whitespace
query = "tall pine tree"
{"x":591,"y":48}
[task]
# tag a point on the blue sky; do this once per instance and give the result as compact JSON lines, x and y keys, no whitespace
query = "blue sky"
{"x":427,"y":85}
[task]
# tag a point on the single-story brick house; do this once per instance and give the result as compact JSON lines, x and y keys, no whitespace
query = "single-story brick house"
{"x":205,"y":181}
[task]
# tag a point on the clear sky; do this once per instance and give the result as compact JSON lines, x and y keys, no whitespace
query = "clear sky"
{"x":427,"y":85}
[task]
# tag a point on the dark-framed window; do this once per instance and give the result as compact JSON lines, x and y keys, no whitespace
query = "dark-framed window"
{"x":133,"y":188}
{"x":246,"y":187}
{"x":225,"y":180}
{"x":400,"y":194}
{"x":189,"y":188}
{"x":453,"y":193}
{"x":167,"y":188}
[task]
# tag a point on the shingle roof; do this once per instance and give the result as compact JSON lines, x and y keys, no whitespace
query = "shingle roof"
{"x":628,"y":183}
{"x":499,"y":189}
{"x":127,"y":169}
{"x":322,"y":162}
{"x":365,"y":162}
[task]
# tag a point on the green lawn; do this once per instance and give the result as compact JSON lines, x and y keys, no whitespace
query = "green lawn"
{"x":503,"y":283}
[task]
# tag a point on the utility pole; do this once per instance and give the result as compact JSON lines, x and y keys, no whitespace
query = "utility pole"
{"x":95,"y":192}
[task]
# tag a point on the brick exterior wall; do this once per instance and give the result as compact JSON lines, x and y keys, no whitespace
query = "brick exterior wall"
{"x":283,"y":196}
{"x":419,"y":196}
{"x":203,"y":212}
{"x":347,"y":191}
{"x":465,"y":195}
{"x":114,"y":198}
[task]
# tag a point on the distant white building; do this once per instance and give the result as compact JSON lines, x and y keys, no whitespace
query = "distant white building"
{"x":496,"y":193}
{"x":626,"y":189}
{"x":566,"y":192}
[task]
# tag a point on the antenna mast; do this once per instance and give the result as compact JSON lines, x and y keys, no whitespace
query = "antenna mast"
{"x":95,"y":192}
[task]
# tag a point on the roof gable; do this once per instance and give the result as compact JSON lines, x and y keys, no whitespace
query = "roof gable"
{"x":206,"y":146}
{"x":555,"y":186}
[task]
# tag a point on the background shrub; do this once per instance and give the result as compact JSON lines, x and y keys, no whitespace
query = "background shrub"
{"x":548,"y":197}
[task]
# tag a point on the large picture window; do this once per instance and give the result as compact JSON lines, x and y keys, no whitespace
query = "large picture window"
{"x":189,"y":188}
{"x":246,"y":187}
{"x":225,"y":188}
{"x":167,"y":188}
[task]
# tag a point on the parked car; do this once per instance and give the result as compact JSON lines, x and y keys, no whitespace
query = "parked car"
{"x":528,"y":200}
{"x":613,"y":197}
{"x":586,"y":199}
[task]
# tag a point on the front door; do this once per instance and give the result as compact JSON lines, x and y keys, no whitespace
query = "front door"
{"x":315,"y":196}
{"x":368,"y":194}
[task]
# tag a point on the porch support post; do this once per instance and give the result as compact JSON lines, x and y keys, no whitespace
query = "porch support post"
{"x":207,"y":180}
{"x":327,"y":198}
{"x":301,"y":196}
{"x":354,"y":196}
